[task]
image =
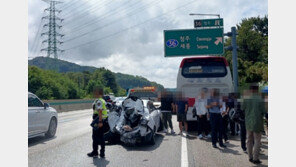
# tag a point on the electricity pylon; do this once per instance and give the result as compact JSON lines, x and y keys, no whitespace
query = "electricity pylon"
{"x":52,"y":33}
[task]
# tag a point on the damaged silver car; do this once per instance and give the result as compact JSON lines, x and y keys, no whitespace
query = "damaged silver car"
{"x":137,"y":122}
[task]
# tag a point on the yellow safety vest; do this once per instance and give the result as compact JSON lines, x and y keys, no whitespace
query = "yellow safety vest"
{"x":104,"y":109}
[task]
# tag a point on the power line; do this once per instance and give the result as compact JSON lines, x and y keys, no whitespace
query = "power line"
{"x":67,"y":5}
{"x":107,"y":36}
{"x":35,"y":39}
{"x":69,"y":14}
{"x":77,"y":28}
{"x":115,"y":21}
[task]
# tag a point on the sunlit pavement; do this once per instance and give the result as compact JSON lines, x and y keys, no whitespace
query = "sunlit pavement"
{"x":73,"y":141}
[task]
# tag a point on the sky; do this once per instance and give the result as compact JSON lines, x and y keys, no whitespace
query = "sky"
{"x":127,"y":35}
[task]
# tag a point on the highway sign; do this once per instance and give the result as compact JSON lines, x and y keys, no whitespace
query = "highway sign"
{"x":193,"y":42}
{"x":208,"y":23}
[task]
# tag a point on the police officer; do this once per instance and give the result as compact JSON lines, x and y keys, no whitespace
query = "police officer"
{"x":99,"y":116}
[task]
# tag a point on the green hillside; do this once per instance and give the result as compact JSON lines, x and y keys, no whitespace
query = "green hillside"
{"x":62,"y":66}
{"x":58,"y":79}
{"x":129,"y":81}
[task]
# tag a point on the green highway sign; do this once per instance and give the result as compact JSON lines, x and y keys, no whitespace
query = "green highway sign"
{"x":208,"y":23}
{"x":193,"y":42}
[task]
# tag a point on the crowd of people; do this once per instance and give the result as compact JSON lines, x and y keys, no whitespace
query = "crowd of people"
{"x":218,"y":116}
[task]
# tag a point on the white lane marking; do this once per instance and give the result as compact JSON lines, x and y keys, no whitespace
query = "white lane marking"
{"x":184,"y":156}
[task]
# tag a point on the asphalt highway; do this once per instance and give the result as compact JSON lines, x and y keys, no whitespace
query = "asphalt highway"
{"x":73,"y":141}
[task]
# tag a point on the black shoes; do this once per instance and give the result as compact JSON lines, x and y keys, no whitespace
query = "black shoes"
{"x":92,"y":154}
{"x":257,"y":161}
{"x":215,"y":146}
{"x":222,"y":145}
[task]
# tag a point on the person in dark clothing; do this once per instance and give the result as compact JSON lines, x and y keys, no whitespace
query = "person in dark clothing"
{"x":99,"y":115}
{"x":241,"y":122}
{"x":214,"y":104}
{"x":232,"y":104}
{"x":167,"y":106}
{"x":98,"y":139}
{"x":181,"y":106}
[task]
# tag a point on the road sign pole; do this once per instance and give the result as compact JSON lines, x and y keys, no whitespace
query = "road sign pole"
{"x":234,"y":59}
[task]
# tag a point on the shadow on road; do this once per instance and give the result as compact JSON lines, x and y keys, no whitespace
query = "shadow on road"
{"x":39,"y":140}
{"x":100,"y":162}
{"x":228,"y":150}
{"x":146,"y":147}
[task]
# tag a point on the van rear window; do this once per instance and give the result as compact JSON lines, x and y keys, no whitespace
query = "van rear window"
{"x":204,"y":68}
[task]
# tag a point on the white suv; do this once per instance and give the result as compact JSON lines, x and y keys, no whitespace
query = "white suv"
{"x":42,"y":119}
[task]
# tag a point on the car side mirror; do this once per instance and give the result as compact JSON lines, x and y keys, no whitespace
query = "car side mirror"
{"x":46,"y":105}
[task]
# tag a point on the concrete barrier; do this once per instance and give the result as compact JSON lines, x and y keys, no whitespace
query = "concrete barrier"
{"x":70,"y":105}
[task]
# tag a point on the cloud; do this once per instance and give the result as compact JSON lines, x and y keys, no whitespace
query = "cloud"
{"x":124,"y":45}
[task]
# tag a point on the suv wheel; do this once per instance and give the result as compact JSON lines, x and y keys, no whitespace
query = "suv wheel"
{"x":52,"y":128}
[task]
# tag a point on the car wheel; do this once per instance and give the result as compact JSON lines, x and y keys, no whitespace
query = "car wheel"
{"x":52,"y":128}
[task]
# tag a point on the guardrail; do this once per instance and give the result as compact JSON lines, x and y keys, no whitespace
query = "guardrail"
{"x":70,"y":105}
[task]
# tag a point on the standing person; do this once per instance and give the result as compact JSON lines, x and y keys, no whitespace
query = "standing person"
{"x":181,"y":107}
{"x":214,"y":104}
{"x":201,"y":112}
{"x":242,"y":124}
{"x":265,"y":97}
{"x":254,"y":112}
{"x":99,"y":115}
{"x":231,"y":104}
{"x":225,"y":119}
{"x":166,"y":108}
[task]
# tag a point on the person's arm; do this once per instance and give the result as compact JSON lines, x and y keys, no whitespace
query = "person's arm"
{"x":186,"y":108}
{"x":224,"y":112}
{"x":100,"y":118}
{"x":173,"y":107}
{"x":176,"y":108}
{"x":220,"y":104}
{"x":209,"y":104}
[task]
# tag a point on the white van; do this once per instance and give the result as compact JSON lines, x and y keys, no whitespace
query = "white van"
{"x":200,"y":72}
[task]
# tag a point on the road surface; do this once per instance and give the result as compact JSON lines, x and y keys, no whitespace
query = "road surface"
{"x":73,"y":141}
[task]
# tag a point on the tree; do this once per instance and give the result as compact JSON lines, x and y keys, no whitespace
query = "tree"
{"x":252,"y":40}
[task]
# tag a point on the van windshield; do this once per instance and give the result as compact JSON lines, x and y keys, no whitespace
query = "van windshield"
{"x":204,"y":68}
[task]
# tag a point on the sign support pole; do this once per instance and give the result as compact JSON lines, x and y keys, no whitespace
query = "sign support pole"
{"x":234,"y":59}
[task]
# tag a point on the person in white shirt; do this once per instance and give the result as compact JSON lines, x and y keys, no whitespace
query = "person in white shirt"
{"x":201,"y":112}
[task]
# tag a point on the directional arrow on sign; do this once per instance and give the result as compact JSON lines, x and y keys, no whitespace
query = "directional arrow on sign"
{"x":219,"y":39}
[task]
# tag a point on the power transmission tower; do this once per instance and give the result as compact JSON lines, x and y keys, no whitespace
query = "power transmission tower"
{"x":52,"y":33}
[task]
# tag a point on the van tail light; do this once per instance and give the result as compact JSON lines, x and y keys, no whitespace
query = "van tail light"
{"x":191,"y":102}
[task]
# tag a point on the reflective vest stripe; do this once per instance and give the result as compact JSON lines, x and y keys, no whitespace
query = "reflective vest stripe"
{"x":104,"y":110}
